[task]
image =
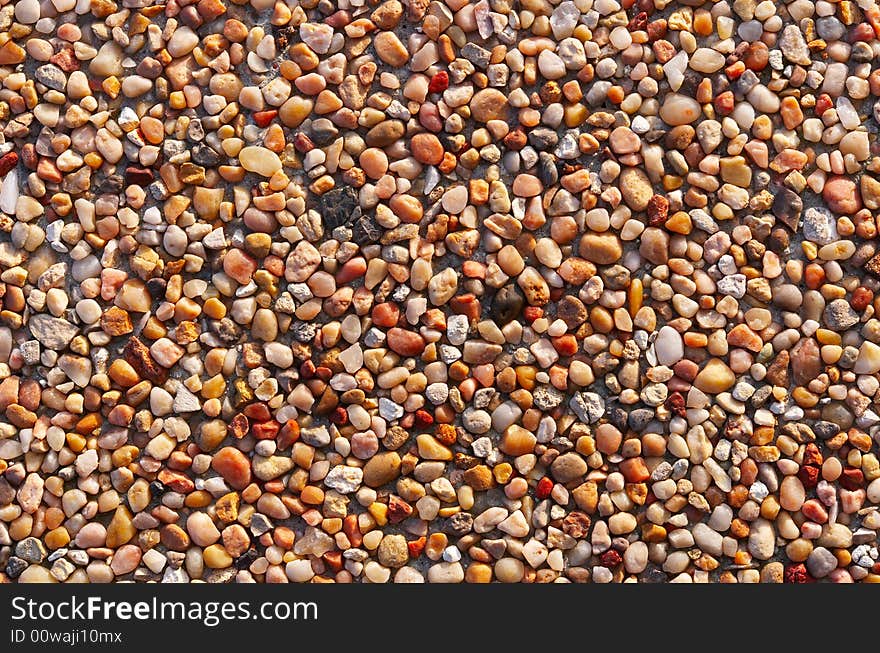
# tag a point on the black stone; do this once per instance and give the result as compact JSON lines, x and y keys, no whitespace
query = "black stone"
{"x":654,"y":575}
{"x":339,"y":206}
{"x":245,"y":559}
{"x":323,"y":132}
{"x":640,"y":418}
{"x":543,"y":138}
{"x":156,"y":287}
{"x":111,"y":184}
{"x":15,"y":567}
{"x":617,"y":417}
{"x":547,"y":172}
{"x":366,"y":230}
{"x":825,"y":430}
{"x":779,"y":241}
{"x":507,"y":304}
{"x":205,"y":156}
{"x":787,"y":207}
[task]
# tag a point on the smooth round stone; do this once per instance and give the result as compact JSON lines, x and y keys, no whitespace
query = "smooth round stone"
{"x":763,"y":99}
{"x":568,"y":467}
{"x":679,"y":109}
{"x":762,"y":539}
{"x":126,"y":559}
{"x":201,"y":529}
{"x":36,"y":574}
{"x":88,"y":310}
{"x":446,"y":572}
{"x":821,"y":562}
{"x":550,"y":65}
{"x":259,"y":160}
{"x":175,"y":241}
{"x":27,"y":11}
{"x":364,"y":445}
{"x":841,"y":195}
{"x":488,"y":104}
{"x":299,"y":571}
{"x":92,"y":534}
{"x":602,"y":249}
{"x":182,"y":41}
{"x":233,"y":466}
{"x":868,"y":361}
{"x":669,"y":346}
{"x":426,"y":148}
{"x":623,"y":140}
{"x":706,"y":60}
{"x":455,"y":199}
{"x":792,"y":494}
{"x":525,"y":185}
{"x":715,"y":377}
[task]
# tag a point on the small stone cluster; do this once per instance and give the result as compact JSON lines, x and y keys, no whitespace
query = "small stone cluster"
{"x":439,"y":291}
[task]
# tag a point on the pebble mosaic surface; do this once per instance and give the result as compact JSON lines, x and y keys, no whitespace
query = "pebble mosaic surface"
{"x":439,"y":291}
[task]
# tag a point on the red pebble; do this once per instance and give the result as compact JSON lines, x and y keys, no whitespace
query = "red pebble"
{"x":565,"y":345}
{"x":545,"y":486}
{"x":266,"y":430}
{"x":814,"y":511}
{"x":812,"y":455}
{"x":724,"y":102}
{"x":288,"y":435}
{"x":398,"y":509}
{"x":239,"y":426}
{"x":809,"y":476}
{"x":385,"y":314}
{"x":658,"y":210}
{"x":439,"y":82}
{"x":333,"y":560}
{"x":861,"y":298}
{"x":324,"y":373}
{"x":416,"y":547}
{"x":611,"y":558}
{"x":852,"y":479}
{"x":8,"y":162}
{"x":675,"y":402}
{"x":265,"y":118}
{"x":424,"y":418}
{"x":657,"y":29}
{"x":339,"y":19}
{"x":467,"y":305}
{"x":532,"y":313}
{"x":307,"y":369}
{"x":177,"y":482}
{"x":823,"y":104}
{"x":735,"y":70}
{"x":862,"y":32}
{"x":303,"y":143}
{"x":638,"y":22}
{"x":339,"y":416}
{"x":796,"y":574}
{"x":258,"y":411}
